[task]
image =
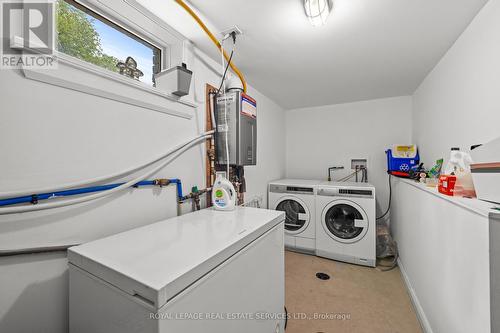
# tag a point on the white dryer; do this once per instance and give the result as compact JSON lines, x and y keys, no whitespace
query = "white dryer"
{"x":346,"y":222}
{"x":296,"y":197}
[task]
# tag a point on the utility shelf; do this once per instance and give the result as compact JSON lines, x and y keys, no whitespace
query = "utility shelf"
{"x":480,"y":207}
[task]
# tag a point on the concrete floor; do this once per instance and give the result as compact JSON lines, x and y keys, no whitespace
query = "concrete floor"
{"x":355,"y":299}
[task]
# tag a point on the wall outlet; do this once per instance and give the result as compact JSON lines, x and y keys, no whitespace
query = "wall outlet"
{"x":359,"y":163}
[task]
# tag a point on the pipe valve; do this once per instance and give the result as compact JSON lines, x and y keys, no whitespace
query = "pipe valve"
{"x":161,"y":182}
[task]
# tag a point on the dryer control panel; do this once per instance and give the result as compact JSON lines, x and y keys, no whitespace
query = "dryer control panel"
{"x":290,"y":189}
{"x":346,"y":192}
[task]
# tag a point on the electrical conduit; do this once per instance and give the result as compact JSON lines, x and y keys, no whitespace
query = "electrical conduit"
{"x":214,"y":40}
{"x":103,"y":178}
{"x":23,"y":209}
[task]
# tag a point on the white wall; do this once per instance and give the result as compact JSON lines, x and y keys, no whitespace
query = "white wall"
{"x":270,"y":147}
{"x":320,"y":137}
{"x":50,"y":135}
{"x":444,"y":258}
{"x":458,"y":104}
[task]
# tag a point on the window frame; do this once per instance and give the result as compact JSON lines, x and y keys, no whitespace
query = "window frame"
{"x":134,"y":17}
{"x":79,"y":75}
{"x":159,"y":63}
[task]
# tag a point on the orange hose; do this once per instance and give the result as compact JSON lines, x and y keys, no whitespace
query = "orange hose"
{"x":214,"y":40}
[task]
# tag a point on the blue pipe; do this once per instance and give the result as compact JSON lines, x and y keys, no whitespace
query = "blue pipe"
{"x":179,"y":187}
{"x":44,"y":196}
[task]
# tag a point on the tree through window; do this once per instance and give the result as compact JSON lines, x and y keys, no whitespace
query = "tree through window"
{"x":92,"y":38}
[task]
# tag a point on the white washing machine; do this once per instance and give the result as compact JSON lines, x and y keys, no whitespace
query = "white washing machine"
{"x":297,"y":198}
{"x":346,"y":223}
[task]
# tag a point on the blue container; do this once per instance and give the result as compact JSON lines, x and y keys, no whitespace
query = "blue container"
{"x":399,"y":164}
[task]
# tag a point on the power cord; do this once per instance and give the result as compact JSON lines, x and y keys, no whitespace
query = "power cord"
{"x":346,"y":178}
{"x":286,"y":318}
{"x":223,"y":86}
{"x":225,"y":71}
{"x":394,"y":263}
{"x":233,"y":35}
{"x":390,"y":199}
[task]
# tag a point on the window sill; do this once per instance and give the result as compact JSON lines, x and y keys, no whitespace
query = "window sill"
{"x":78,"y":75}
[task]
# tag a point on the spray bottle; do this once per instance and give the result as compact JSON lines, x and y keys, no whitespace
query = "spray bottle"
{"x":223,"y":194}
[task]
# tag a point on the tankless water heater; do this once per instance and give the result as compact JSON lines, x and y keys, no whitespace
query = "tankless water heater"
{"x":236,"y":119}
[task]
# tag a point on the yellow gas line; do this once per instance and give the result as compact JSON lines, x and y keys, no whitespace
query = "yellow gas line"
{"x":214,"y":40}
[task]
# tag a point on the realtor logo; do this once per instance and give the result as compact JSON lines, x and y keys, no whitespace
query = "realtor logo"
{"x":28,"y":33}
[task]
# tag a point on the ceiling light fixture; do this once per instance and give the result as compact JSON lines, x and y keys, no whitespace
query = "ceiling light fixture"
{"x":317,"y":11}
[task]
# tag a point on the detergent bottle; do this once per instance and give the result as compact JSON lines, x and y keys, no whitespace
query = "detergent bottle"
{"x":223,"y":194}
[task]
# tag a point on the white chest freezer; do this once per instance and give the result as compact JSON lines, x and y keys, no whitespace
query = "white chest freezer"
{"x":208,"y":271}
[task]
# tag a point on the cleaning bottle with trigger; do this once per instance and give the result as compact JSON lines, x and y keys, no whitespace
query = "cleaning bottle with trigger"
{"x":223,"y":194}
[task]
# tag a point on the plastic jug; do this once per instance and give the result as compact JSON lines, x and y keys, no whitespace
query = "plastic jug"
{"x":459,"y":166}
{"x":223,"y":194}
{"x":459,"y":162}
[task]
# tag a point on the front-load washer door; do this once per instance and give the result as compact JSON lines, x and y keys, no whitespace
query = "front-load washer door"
{"x":296,"y":212}
{"x":345,"y":221}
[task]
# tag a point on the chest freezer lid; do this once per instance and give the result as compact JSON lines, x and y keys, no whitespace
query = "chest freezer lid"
{"x":157,"y":261}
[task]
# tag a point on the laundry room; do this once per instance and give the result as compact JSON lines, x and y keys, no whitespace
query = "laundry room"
{"x":249,"y":166}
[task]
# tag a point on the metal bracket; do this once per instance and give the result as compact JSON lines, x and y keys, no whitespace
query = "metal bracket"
{"x":227,"y":33}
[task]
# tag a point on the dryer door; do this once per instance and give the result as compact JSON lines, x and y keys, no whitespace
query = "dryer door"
{"x":345,"y":221}
{"x":297,"y":214}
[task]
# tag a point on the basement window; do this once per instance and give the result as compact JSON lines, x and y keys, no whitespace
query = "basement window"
{"x":88,"y":36}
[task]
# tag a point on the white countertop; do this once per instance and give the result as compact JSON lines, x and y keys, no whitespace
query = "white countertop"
{"x":159,"y":260}
{"x":480,"y":207}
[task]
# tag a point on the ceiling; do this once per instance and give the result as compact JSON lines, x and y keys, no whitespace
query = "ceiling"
{"x":368,"y":49}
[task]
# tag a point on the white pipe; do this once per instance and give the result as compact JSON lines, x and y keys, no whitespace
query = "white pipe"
{"x":37,"y":207}
{"x":21,"y":193}
{"x":225,"y":109}
{"x":212,"y":110}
